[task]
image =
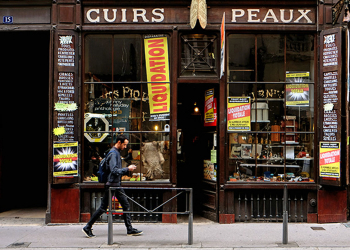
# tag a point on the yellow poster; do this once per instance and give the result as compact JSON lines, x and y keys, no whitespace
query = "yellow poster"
{"x":209,"y":106}
{"x":158,"y":77}
{"x":65,"y":159}
{"x":238,"y":114}
{"x":330,"y":159}
{"x":297,"y":89}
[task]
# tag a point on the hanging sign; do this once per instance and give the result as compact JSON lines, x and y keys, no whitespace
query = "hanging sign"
{"x":65,"y":159}
{"x":330,"y":108}
{"x":330,"y":159}
{"x":209,"y":106}
{"x":158,"y":77}
{"x":238,"y":114}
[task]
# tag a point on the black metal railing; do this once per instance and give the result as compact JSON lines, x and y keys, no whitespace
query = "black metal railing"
{"x":267,"y":206}
{"x":138,"y":208}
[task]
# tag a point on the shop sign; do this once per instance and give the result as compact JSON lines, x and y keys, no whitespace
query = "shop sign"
{"x":66,"y":51}
{"x":330,"y":106}
{"x":65,"y":159}
{"x":238,"y":114}
{"x":253,"y":15}
{"x":158,"y":77}
{"x":331,"y":84}
{"x":266,"y":15}
{"x":330,"y":159}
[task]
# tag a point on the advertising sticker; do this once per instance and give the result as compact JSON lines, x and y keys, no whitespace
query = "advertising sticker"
{"x":65,"y":159}
{"x":330,"y":159}
{"x":238,"y":114}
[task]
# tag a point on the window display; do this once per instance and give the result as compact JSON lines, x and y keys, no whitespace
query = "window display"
{"x":270,"y":114}
{"x":117,"y":100}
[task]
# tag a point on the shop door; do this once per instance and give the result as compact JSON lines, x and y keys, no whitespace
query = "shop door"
{"x":24,"y":105}
{"x":196,"y":142}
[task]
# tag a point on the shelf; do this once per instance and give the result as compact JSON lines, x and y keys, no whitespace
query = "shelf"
{"x":260,"y":121}
{"x":269,"y":165}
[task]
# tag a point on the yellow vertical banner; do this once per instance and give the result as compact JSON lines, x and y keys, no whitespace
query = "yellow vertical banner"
{"x":158,"y":76}
{"x":209,"y":106}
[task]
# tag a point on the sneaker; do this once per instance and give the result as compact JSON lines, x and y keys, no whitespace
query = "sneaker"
{"x":88,"y":232}
{"x":134,"y":232}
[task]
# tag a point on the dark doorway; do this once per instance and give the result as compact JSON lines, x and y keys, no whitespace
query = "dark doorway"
{"x":196,"y":140}
{"x":24,"y":106}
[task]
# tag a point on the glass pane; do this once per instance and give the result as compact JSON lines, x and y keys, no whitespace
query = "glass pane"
{"x":300,"y":54}
{"x":270,"y":58}
{"x":269,"y":105}
{"x":241,"y":57}
{"x":93,"y":153}
{"x":198,"y":55}
{"x":151,"y":155}
{"x":98,"y":58}
{"x":127,"y":58}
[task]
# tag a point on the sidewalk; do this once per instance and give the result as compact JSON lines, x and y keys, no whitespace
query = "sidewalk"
{"x":33,"y":234}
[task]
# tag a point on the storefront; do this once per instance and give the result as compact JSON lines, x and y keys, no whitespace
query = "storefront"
{"x":225,"y":98}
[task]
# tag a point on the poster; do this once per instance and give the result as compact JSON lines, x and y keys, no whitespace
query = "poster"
{"x":330,"y":159}
{"x":238,"y":114}
{"x":297,"y":90}
{"x":158,"y":77}
{"x":209,"y":107}
{"x":65,"y":159}
{"x":210,"y":170}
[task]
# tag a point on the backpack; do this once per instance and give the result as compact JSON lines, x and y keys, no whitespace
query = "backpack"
{"x":103,"y":171}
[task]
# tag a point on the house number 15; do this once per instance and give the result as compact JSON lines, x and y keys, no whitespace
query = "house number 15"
{"x":7,"y":19}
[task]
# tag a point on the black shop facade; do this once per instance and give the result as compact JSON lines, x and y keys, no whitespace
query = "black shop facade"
{"x":231,"y":100}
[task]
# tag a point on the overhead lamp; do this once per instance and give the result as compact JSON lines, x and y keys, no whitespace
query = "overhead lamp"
{"x":196,"y":110}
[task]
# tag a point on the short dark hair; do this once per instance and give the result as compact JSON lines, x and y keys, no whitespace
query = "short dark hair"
{"x":121,"y":138}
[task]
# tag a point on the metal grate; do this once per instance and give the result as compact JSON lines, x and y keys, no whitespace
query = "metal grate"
{"x":267,"y":206}
{"x":145,"y":198}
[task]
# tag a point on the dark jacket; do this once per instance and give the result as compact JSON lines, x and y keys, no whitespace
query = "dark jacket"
{"x":114,"y":163}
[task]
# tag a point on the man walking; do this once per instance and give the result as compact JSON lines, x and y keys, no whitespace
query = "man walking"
{"x":114,"y":163}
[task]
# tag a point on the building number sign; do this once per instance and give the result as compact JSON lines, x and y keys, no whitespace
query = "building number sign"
{"x":7,"y":19}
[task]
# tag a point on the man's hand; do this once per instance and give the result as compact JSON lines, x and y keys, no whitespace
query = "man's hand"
{"x":131,"y":167}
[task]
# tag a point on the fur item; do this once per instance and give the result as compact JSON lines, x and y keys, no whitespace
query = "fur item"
{"x":152,"y":158}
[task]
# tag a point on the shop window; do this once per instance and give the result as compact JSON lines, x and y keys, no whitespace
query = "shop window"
{"x":118,"y":100}
{"x":270,"y":108}
{"x":198,"y":55}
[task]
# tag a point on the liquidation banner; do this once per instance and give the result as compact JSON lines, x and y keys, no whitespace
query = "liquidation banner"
{"x":209,"y":106}
{"x":158,"y":76}
{"x":238,"y":114}
{"x":65,"y":159}
{"x":330,"y":159}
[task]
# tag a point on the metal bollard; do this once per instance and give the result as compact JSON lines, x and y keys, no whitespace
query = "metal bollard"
{"x":190,"y":219}
{"x":110,"y":219}
{"x":285,"y":216}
